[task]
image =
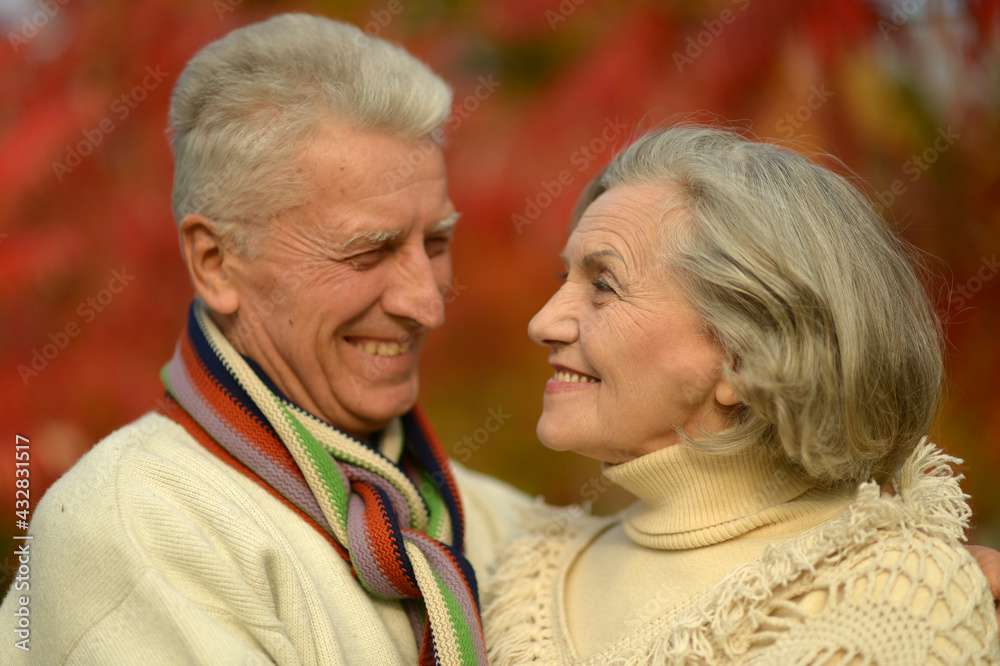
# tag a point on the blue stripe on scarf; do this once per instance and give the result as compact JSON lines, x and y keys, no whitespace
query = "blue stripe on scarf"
{"x":417,"y":443}
{"x":219,"y":373}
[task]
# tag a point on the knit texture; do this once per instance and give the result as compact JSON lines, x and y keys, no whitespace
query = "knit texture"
{"x":688,"y":540}
{"x":152,"y":550}
{"x":400,"y":525}
{"x":692,"y":498}
{"x":883,"y":581}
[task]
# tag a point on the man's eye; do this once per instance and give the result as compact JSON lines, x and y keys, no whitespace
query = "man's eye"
{"x":436,"y":246}
{"x":562,"y":276}
{"x":366,"y":259}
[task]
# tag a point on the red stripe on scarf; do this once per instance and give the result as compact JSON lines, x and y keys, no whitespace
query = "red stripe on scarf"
{"x":173,"y":411}
{"x":386,"y":549}
{"x":427,"y":655}
{"x":221,"y":400}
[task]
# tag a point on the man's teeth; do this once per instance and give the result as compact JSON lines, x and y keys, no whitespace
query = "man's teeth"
{"x":573,"y":377}
{"x":384,"y":348}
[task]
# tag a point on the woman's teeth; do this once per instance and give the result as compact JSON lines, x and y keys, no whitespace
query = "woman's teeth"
{"x":573,"y":377}
{"x":384,"y":348}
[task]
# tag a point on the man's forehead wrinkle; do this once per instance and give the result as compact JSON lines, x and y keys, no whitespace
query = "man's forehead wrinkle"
{"x":373,"y":188}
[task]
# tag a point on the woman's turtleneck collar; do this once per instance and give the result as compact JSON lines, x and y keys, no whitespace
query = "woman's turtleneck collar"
{"x":692,"y":498}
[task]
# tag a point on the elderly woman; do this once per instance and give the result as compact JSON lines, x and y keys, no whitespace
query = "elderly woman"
{"x":743,"y":343}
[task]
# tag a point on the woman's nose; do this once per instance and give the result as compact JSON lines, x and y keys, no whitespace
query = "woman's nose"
{"x":555,"y":324}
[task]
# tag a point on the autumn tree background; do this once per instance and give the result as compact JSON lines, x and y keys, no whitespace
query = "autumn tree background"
{"x":93,"y":294}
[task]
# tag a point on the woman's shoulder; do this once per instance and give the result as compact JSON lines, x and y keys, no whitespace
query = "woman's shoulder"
{"x":904,"y":596}
{"x":885,"y":581}
{"x":891,"y":580}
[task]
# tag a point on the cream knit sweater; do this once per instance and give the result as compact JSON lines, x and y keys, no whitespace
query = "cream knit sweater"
{"x":153,"y":551}
{"x":730,"y":559}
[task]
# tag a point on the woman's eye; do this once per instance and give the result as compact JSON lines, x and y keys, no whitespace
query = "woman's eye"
{"x":562,"y":276}
{"x":602,"y":285}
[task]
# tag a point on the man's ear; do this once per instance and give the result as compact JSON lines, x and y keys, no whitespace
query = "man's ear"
{"x":208,"y":259}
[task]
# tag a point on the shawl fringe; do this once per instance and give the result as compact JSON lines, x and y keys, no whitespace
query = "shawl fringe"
{"x":927,"y":500}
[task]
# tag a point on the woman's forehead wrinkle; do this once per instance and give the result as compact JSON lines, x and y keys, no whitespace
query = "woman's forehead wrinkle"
{"x":614,"y":238}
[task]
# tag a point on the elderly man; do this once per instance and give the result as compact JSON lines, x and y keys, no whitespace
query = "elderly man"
{"x":287,"y":503}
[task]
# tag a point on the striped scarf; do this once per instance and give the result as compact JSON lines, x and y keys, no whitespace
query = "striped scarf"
{"x":399,"y":525}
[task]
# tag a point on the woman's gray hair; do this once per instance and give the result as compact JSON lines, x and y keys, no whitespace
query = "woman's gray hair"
{"x":832,"y":344}
{"x":245,"y":106}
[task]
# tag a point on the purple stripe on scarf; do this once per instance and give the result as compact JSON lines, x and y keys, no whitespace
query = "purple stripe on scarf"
{"x":232,"y":440}
{"x":397,"y":499}
{"x":363,"y":551}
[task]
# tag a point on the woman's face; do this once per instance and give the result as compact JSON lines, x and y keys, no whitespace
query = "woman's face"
{"x":632,"y":361}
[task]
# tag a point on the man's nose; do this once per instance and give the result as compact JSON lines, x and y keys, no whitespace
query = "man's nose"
{"x":415,"y":292}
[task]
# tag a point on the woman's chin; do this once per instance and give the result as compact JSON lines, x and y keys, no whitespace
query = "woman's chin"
{"x":553,"y":437}
{"x":559,"y":439}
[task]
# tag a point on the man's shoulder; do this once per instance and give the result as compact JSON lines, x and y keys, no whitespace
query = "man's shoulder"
{"x":486,"y":496}
{"x":147,"y":473}
{"x":84,"y":552}
{"x":153,"y":545}
{"x":492,"y":509}
{"x":121,"y":458}
{"x":475,"y":484}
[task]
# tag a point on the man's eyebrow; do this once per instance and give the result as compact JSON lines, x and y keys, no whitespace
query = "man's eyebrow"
{"x":382,"y":235}
{"x":447,"y":224}
{"x":369,"y":237}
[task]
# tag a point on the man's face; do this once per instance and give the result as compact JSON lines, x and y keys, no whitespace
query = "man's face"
{"x":337,"y":305}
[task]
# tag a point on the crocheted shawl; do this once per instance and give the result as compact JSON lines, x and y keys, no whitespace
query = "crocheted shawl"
{"x":752,"y":614}
{"x":400,"y":526}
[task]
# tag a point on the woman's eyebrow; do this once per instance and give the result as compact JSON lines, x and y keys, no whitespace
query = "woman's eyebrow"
{"x":593,"y":257}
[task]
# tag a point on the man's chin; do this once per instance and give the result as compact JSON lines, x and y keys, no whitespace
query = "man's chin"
{"x":379,"y":406}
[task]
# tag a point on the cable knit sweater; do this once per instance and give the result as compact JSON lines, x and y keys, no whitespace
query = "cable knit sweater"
{"x":151,"y":550}
{"x":730,"y":559}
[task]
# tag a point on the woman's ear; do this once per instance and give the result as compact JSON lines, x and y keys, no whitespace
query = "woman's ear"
{"x":208,"y":259}
{"x":724,"y":393}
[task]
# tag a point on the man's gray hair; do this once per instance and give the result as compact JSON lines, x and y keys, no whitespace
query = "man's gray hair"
{"x":833,"y":345}
{"x":246,"y":105}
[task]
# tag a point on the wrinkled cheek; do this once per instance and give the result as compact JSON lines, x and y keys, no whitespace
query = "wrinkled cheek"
{"x":269,"y":303}
{"x":705,"y":374}
{"x":612,"y":426}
